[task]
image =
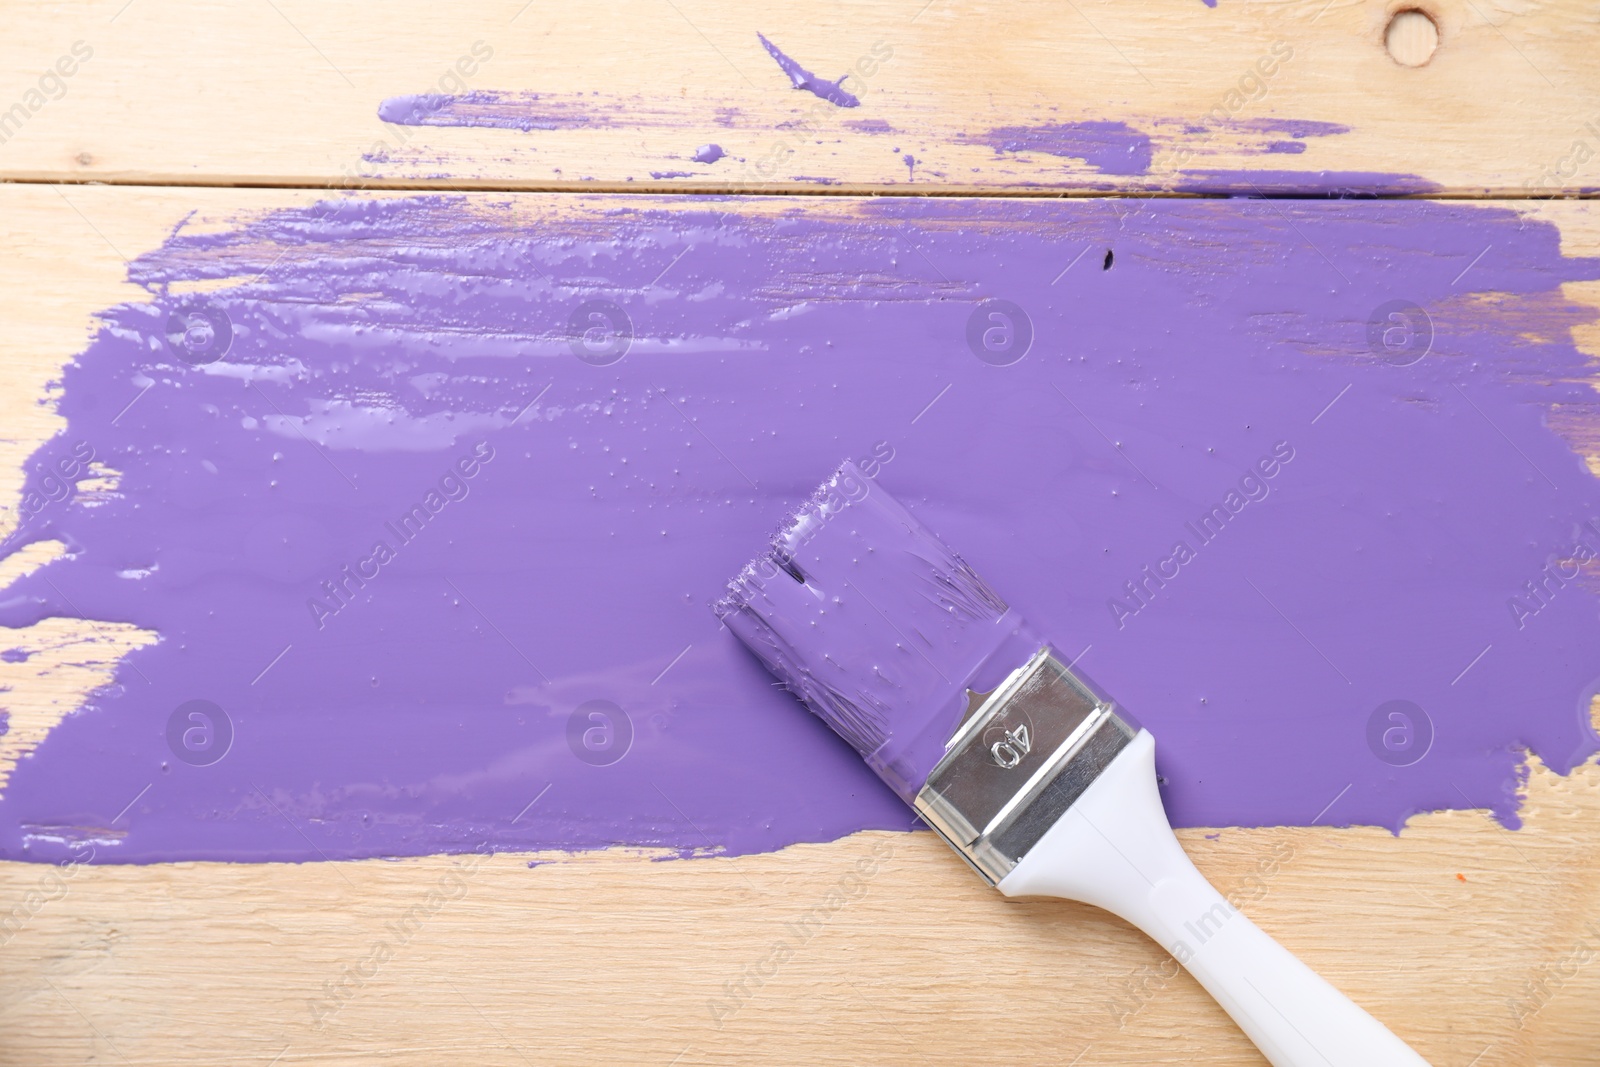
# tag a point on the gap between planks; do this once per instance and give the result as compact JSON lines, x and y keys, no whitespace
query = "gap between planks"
{"x":712,"y":189}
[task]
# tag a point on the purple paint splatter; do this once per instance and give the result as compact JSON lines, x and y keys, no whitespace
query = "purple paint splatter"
{"x":708,"y":153}
{"x":801,"y":78}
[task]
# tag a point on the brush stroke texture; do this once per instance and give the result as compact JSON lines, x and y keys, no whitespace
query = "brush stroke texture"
{"x":378,"y":343}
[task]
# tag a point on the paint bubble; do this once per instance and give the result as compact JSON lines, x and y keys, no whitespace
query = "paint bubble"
{"x":1399,"y":733}
{"x":999,"y":332}
{"x":199,"y":733}
{"x":199,"y":333}
{"x":1399,"y":332}
{"x":599,"y":332}
{"x":599,"y":733}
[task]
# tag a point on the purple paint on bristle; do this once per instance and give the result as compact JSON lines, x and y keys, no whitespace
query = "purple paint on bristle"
{"x":831,"y":91}
{"x":876,"y":625}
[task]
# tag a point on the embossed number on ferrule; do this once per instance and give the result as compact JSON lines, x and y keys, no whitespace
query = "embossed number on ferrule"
{"x":1008,"y":751}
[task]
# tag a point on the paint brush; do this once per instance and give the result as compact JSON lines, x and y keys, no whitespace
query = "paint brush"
{"x":1042,"y":784}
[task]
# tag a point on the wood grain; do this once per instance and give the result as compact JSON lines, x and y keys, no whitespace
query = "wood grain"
{"x":1475,"y":943}
{"x":287,"y":92}
{"x":1469,"y":941}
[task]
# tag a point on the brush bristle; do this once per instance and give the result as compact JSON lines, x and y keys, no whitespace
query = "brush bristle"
{"x":873,"y":622}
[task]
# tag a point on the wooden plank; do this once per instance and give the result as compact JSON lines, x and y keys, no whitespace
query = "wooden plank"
{"x":1475,"y":943}
{"x":610,"y":959}
{"x":288,"y":93}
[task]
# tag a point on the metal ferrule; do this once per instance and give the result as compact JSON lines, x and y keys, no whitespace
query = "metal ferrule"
{"x":1020,"y":757}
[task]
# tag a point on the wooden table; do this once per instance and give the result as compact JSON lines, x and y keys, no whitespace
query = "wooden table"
{"x":1475,"y":943}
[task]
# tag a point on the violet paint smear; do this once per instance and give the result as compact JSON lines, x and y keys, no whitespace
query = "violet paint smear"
{"x":402,"y":372}
{"x":1118,"y":148}
{"x":1109,"y":147}
{"x":506,"y":111}
{"x":1301,"y":184}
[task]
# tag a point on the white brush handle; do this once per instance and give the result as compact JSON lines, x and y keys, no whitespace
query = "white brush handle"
{"x":1115,"y":849}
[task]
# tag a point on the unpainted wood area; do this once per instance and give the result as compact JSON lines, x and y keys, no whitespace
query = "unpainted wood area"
{"x":1471,"y":942}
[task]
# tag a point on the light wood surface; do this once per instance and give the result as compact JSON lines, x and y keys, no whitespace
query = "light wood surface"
{"x":1475,"y":943}
{"x":287,"y":91}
